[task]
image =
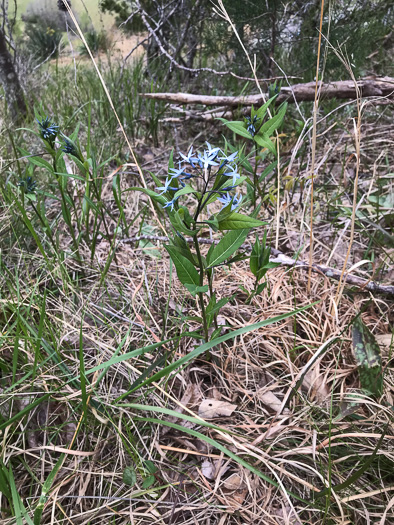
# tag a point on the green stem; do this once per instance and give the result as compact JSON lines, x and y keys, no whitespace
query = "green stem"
{"x":45,"y":226}
{"x":66,"y":210}
{"x":255,"y":180}
{"x":210,"y":282}
{"x":201,"y":295}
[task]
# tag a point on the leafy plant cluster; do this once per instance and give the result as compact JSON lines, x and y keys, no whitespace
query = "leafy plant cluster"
{"x":201,"y":194}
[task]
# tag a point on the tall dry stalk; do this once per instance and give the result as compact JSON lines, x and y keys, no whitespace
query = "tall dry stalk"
{"x":315,"y":108}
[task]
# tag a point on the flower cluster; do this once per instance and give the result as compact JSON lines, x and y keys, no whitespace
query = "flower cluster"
{"x":28,"y":185}
{"x":48,"y":130}
{"x":252,"y":124}
{"x":208,"y":167}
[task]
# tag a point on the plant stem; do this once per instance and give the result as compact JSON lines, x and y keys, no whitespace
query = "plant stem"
{"x":255,"y":180}
{"x":201,"y":296}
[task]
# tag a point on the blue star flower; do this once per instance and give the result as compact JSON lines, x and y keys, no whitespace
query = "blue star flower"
{"x":230,"y":158}
{"x":170,"y":204}
{"x":189,"y":158}
{"x":176,"y":172}
{"x":236,"y":202}
{"x":225,"y":199}
{"x":208,"y":159}
{"x":48,"y":130}
{"x":166,"y":186}
{"x":233,"y":173}
{"x":212,"y":151}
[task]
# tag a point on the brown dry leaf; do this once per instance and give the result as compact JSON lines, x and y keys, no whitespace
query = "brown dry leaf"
{"x":211,"y":469}
{"x":385,"y":341}
{"x":190,"y":399}
{"x":314,"y":385}
{"x":235,"y":490}
{"x":210,"y":408}
{"x":234,"y":482}
{"x":270,"y":400}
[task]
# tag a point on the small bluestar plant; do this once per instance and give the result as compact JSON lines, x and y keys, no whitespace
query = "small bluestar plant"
{"x":202,"y":192}
{"x":78,"y":214}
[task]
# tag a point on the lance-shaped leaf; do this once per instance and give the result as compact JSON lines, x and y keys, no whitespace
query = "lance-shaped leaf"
{"x":238,"y":127}
{"x":367,"y":354}
{"x":272,"y":124}
{"x":238,"y":221}
{"x":262,"y":111}
{"x":265,"y":142}
{"x":185,"y":270}
{"x":194,"y":290}
{"x":226,"y":247}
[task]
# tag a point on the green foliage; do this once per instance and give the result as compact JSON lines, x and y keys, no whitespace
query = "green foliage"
{"x":96,"y":40}
{"x":129,"y":477}
{"x":43,"y":41}
{"x":369,"y":362}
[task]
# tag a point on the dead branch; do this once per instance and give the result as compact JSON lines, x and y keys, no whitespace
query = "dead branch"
{"x":343,"y":89}
{"x":284,"y":260}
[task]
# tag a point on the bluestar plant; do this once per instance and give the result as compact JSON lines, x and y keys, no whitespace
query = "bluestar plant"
{"x":202,"y":193}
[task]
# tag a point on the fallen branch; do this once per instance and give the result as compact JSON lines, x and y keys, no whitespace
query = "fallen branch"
{"x":281,"y":258}
{"x":343,"y":89}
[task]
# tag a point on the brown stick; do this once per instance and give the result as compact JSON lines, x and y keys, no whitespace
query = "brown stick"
{"x":343,"y":89}
{"x":281,"y":258}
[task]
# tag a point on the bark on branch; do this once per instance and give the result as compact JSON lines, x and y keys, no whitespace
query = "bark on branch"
{"x":343,"y":89}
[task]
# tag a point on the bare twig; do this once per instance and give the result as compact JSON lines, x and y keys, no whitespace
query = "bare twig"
{"x":343,"y":89}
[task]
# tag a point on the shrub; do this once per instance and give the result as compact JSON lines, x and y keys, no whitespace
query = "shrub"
{"x":43,"y":41}
{"x":96,"y":40}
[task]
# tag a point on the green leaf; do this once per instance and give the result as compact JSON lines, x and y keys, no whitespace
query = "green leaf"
{"x":185,"y":270}
{"x":148,"y":482}
{"x":150,"y":466}
{"x":238,"y":221}
{"x":194,"y":290}
{"x":227,"y":246}
{"x":212,"y":309}
{"x":152,"y":194}
{"x":272,"y":124}
{"x":184,"y":191}
{"x":367,"y":354}
{"x":171,"y":160}
{"x":207,"y":346}
{"x":188,"y":254}
{"x":239,"y":128}
{"x":179,"y":225}
{"x":129,"y":477}
{"x":260,"y":288}
{"x":268,"y":170}
{"x":216,"y":333}
{"x":254,"y":261}
{"x":265,"y":142}
{"x":262,"y":111}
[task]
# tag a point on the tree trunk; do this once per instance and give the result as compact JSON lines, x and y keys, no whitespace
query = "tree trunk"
{"x":9,"y":79}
